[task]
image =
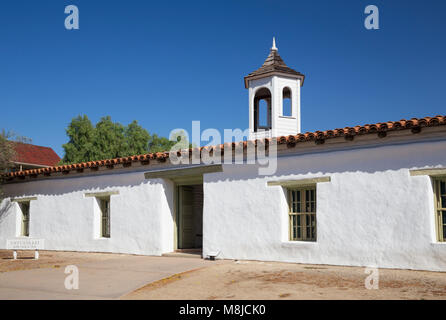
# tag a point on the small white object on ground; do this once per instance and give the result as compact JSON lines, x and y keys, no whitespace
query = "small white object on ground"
{"x":213,"y":255}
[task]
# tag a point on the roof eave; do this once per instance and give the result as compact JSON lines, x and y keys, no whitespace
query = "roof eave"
{"x":37,"y":165}
{"x":274,"y":73}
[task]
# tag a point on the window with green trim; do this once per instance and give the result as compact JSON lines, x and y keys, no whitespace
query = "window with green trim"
{"x":302,"y":214}
{"x":440,"y":207}
{"x":104,"y":204}
{"x":24,"y":208}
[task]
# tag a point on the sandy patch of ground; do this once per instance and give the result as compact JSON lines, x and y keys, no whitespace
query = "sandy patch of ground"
{"x":255,"y":280}
{"x":272,"y":280}
{"x":48,"y":259}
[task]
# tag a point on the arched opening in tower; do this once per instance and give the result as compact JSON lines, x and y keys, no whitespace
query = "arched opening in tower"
{"x":286,"y":102}
{"x":262,"y":110}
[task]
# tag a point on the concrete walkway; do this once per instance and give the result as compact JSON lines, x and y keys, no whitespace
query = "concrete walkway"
{"x":106,"y":279}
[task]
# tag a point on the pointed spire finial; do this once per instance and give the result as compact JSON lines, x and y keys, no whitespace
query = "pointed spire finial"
{"x":274,"y":44}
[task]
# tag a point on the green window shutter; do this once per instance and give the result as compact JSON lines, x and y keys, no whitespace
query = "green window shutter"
{"x":302,"y":212}
{"x":24,"y":207}
{"x":105,"y":217}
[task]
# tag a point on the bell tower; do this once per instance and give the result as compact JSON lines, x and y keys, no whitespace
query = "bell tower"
{"x":274,"y":98}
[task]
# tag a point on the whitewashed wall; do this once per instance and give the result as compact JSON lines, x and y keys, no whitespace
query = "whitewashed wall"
{"x":141,"y":214}
{"x":372,"y":213}
{"x":281,"y":126}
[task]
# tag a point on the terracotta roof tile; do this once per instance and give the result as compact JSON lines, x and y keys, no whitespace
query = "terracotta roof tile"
{"x":37,"y":155}
{"x":291,"y":140}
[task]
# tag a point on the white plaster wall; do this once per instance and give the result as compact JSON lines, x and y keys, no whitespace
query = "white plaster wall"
{"x":372,"y":213}
{"x":284,"y":126}
{"x":141,"y":214}
{"x":254,"y":86}
{"x":281,"y":126}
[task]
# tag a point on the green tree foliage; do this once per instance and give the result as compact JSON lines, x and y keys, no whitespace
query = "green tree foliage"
{"x":137,"y":139}
{"x":7,"y":152}
{"x":82,"y":135}
{"x":178,"y":140}
{"x":160,"y":144}
{"x":109,"y":140}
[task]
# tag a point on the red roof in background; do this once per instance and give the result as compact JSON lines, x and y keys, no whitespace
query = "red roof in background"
{"x":32,"y":154}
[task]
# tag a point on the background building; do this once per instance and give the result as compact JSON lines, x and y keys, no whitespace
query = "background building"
{"x":29,"y":156}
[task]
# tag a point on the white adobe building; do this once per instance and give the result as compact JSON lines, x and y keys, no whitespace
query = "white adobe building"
{"x":371,"y":195}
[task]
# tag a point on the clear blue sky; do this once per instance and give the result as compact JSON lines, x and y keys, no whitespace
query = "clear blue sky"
{"x":166,"y":63}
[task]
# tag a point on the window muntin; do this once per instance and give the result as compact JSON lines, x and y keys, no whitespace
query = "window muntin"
{"x":302,"y":213}
{"x":104,"y":204}
{"x":440,"y":210}
{"x":24,"y":208}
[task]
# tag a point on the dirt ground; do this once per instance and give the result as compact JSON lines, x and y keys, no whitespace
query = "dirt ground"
{"x":48,"y":259}
{"x":271,"y":280}
{"x":256,"y":280}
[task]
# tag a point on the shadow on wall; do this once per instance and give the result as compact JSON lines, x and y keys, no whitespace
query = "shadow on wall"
{"x":98,"y":183}
{"x":168,"y":189}
{"x":370,"y":160}
{"x":5,"y":207}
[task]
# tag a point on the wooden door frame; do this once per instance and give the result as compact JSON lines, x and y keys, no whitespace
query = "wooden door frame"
{"x":187,"y":175}
{"x":178,"y":183}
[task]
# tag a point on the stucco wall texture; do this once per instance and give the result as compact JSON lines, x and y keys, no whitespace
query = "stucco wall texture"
{"x":370,"y":213}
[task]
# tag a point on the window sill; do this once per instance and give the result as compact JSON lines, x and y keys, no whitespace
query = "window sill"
{"x":438,"y":243}
{"x":287,"y":117}
{"x":294,"y":244}
{"x":102,"y":238}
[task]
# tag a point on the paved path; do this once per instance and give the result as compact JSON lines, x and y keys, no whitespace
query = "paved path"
{"x":106,"y":279}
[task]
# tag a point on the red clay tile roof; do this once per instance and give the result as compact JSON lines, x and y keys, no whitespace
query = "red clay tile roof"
{"x":274,"y":65}
{"x":381,"y":129}
{"x":37,"y":155}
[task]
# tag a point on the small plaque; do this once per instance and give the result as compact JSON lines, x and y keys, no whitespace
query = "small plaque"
{"x":25,"y":244}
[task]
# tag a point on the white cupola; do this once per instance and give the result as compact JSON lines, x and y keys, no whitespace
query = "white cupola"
{"x":274,"y":98}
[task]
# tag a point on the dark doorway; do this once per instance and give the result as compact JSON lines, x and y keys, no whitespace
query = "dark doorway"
{"x":190,"y":216}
